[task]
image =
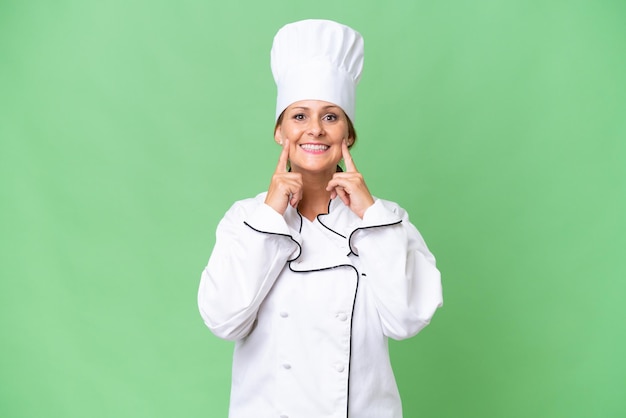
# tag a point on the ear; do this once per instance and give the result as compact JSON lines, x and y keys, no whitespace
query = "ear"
{"x":278,"y":136}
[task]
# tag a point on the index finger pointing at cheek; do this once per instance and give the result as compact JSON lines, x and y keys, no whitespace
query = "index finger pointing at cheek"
{"x":347,"y":158}
{"x":283,"y":159}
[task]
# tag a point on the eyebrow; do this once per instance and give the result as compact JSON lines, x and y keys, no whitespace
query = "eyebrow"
{"x":308,"y":108}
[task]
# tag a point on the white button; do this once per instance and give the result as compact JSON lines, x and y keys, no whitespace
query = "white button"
{"x":342,"y":316}
{"x":284,"y":314}
{"x":340,"y":368}
{"x":287,"y":366}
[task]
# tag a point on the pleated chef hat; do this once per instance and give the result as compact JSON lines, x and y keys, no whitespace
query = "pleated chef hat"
{"x":317,"y":60}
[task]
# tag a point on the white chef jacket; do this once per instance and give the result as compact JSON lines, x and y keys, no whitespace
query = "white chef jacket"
{"x":311,"y":304}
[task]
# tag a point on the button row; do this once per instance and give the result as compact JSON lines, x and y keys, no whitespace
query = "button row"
{"x":342,"y":316}
{"x":339,"y":367}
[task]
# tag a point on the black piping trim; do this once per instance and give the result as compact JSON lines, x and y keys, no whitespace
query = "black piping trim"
{"x":319,"y":269}
{"x":322,"y":223}
{"x":280,"y":235}
{"x":356,"y":290}
{"x":350,"y":350}
{"x":368,"y":227}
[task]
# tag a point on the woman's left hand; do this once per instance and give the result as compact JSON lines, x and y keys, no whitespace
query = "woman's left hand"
{"x":350,"y":186}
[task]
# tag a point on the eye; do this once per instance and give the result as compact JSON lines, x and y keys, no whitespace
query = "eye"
{"x":331,"y":117}
{"x":299,"y":116}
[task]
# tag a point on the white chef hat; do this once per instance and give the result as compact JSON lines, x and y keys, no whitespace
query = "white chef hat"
{"x":317,"y":60}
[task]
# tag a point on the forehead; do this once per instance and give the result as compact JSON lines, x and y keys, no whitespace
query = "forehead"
{"x":313,"y":105}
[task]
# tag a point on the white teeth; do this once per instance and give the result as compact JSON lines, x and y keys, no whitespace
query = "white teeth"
{"x":314,"y":147}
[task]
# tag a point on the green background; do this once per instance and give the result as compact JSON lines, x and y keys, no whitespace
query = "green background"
{"x":128,"y":128}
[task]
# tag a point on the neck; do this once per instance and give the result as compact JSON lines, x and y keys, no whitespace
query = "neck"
{"x":315,"y":198}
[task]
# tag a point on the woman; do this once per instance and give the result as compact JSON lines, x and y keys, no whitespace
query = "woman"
{"x":311,"y":277}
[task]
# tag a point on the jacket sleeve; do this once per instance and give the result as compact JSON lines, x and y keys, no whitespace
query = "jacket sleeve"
{"x":253,"y":244}
{"x":399,"y":269}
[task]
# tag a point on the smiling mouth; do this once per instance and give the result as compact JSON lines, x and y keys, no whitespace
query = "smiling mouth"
{"x":314,"y":147}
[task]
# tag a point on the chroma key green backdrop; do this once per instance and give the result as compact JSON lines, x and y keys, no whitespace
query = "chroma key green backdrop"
{"x":127,"y":128}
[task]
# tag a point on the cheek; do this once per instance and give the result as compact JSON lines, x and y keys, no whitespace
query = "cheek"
{"x":341,"y":135}
{"x":290,"y":132}
{"x":342,"y":132}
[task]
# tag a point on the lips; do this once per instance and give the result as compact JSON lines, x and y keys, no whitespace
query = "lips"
{"x":314,"y":147}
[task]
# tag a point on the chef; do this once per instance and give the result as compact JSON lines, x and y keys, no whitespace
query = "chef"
{"x":311,"y":277}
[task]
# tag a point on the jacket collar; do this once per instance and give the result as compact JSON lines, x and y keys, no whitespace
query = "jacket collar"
{"x":339,"y":219}
{"x":337,"y":225}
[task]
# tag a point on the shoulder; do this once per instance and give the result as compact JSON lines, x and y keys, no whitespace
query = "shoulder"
{"x":391,"y":206}
{"x":243,"y":207}
{"x":251,"y":202}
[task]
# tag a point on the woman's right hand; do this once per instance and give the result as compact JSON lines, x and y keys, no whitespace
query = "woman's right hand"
{"x":286,"y":187}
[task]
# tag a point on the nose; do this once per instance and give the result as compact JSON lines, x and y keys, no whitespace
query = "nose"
{"x":315,"y":128}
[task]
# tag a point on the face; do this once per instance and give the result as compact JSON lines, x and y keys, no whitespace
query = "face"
{"x":315,"y":130}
